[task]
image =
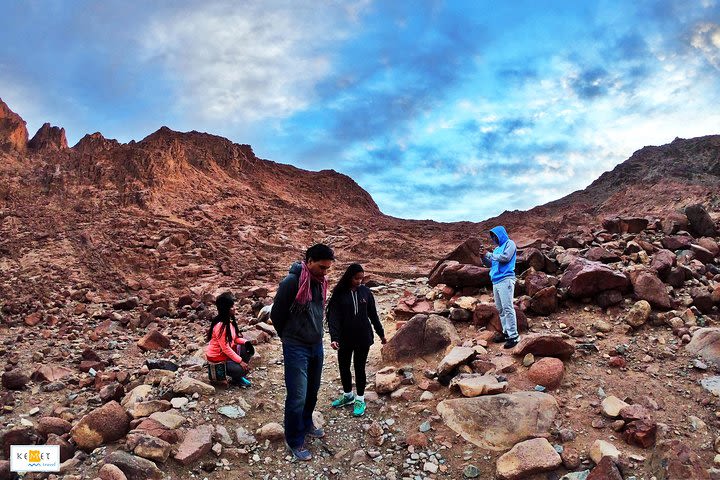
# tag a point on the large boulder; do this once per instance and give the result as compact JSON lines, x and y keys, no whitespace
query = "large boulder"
{"x":547,"y":372}
{"x":497,"y":422}
{"x":422,"y":335}
{"x":544,"y":302}
{"x":648,"y":286}
{"x":467,"y":252}
{"x":528,"y":458}
{"x":584,"y":278}
{"x":625,"y":225}
{"x":101,"y":426}
{"x":197,"y":443}
{"x":706,"y":343}
{"x":674,"y":459}
{"x":676,"y":242}
{"x":464,"y":275}
{"x":602,"y":255}
{"x":134,"y":468}
{"x":674,"y":222}
{"x":700,"y":222}
{"x":530,"y":257}
{"x":662,"y":261}
{"x":544,"y":345}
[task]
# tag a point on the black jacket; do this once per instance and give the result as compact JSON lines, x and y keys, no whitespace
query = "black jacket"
{"x":349,"y":318}
{"x":298,"y":326}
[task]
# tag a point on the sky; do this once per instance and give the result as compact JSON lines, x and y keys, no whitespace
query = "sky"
{"x":444,"y":110}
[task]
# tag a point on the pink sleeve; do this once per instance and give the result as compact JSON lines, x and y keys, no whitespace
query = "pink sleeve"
{"x":225,"y":347}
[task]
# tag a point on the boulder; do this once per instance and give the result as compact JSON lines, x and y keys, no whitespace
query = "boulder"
{"x":547,"y":372}
{"x":529,"y":257}
{"x":409,"y":305}
{"x":631,"y":225}
{"x":611,"y":406}
{"x":662,"y":261}
{"x":638,"y":314}
{"x":466,"y":253}
{"x":702,"y":254}
{"x":706,"y":343}
{"x":51,"y":373}
{"x":197,"y":443}
{"x":674,"y":459}
{"x":147,"y":446}
{"x":464,"y":275}
{"x":544,"y":302}
{"x":189,"y":386}
{"x":497,"y":422}
{"x":601,"y":449}
{"x":710,"y":245}
{"x":111,"y":472}
{"x":48,"y":425}
{"x":154,"y":340}
{"x":649,"y":287}
{"x":674,"y":222}
{"x":544,"y":345}
{"x":422,"y":335}
{"x":101,"y":426}
{"x":14,"y":379}
{"x":584,"y":278}
{"x":154,"y":428}
{"x":605,"y":470}
{"x":528,"y":458}
{"x":699,"y":221}
{"x":676,"y":242}
{"x":456,"y":357}
{"x":602,"y":255}
{"x":387,"y":380}
{"x":134,"y":468}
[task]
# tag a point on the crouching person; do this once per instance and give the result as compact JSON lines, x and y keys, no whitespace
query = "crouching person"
{"x":225,"y":345}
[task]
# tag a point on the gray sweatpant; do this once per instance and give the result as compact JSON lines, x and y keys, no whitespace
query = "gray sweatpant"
{"x":503,"y":291}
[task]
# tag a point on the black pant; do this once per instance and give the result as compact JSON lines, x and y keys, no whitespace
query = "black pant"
{"x":359,"y":357}
{"x":234,"y":370}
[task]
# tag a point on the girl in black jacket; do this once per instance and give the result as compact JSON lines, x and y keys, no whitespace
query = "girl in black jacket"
{"x":350,"y":311}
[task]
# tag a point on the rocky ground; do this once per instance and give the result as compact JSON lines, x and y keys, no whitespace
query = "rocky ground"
{"x":614,"y":385}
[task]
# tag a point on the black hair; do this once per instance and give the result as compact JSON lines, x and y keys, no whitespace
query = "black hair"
{"x":224,"y":303}
{"x":319,"y":251}
{"x":344,"y":284}
{"x":494,"y":237}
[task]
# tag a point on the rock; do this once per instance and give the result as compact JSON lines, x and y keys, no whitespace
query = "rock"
{"x":547,"y":372}
{"x":197,"y":443}
{"x":231,"y":411}
{"x":473,"y":385}
{"x":676,"y":242}
{"x":706,"y":343}
{"x":270,"y":431}
{"x":189,"y":386}
{"x":358,"y":457}
{"x":134,"y":468}
{"x":608,"y":298}
{"x":145,"y":409}
{"x":456,"y":357}
{"x":113,"y":391}
{"x":152,"y":448}
{"x":471,"y":471}
{"x":157,"y":429}
{"x":544,"y":346}
{"x":640,"y":433}
{"x":422,"y":335}
{"x":465,"y":253}
{"x":673,"y":459}
{"x":528,"y":458}
{"x":601,"y":448}
{"x":544,"y":302}
{"x":48,"y":138}
{"x":602,"y":255}
{"x":111,"y":472}
{"x":649,"y":287}
{"x":169,"y":419}
{"x":570,"y":458}
{"x":605,"y":470}
{"x":33,"y":319}
{"x":13,"y":132}
{"x":463,"y":275}
{"x":244,"y":437}
{"x":700,"y":222}
{"x":137,"y":394}
{"x":528,"y":360}
{"x":638,"y":314}
{"x":126,"y":304}
{"x":48,"y":425}
{"x":153,"y":340}
{"x":51,"y":373}
{"x":583,"y":278}
{"x":702,"y":254}
{"x":14,"y":379}
{"x":611,"y":406}
{"x":387,"y":380}
{"x":674,"y":222}
{"x":602,"y":326}
{"x":101,"y":426}
{"x":712,"y":385}
{"x":417,"y":440}
{"x":663,"y":261}
{"x":162,"y":365}
{"x":497,"y":422}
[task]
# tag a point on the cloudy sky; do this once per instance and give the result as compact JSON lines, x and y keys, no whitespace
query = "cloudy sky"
{"x":452,"y":110}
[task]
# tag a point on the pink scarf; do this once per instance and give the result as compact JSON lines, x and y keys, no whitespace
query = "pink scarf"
{"x":304,"y":294}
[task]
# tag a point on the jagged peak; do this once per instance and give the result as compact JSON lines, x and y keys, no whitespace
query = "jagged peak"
{"x":13,"y":130}
{"x":95,"y":142}
{"x":49,"y":137}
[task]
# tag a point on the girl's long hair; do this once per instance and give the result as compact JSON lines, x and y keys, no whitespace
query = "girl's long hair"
{"x":224,"y":304}
{"x":345,"y":283}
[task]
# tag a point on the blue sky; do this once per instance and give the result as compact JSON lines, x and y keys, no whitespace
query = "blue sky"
{"x":452,"y":110}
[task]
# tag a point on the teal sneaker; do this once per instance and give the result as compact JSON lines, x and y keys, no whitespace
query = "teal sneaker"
{"x":244,"y":383}
{"x":359,"y":408}
{"x":343,"y":400}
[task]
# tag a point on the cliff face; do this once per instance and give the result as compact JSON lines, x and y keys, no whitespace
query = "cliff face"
{"x":13,"y":132}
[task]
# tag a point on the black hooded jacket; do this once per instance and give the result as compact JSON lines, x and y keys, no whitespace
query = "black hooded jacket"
{"x":350,"y":316}
{"x":302,"y":326}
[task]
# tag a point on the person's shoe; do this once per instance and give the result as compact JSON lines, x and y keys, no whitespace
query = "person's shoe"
{"x":359,"y":408}
{"x":301,"y":453}
{"x":499,"y":337}
{"x":244,"y":383}
{"x":316,"y":433}
{"x":343,"y":400}
{"x":511,"y":343}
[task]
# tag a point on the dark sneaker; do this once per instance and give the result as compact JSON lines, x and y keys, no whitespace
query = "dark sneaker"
{"x":499,"y":338}
{"x":343,"y":400}
{"x":316,"y":433}
{"x":511,"y":343}
{"x":301,"y":453}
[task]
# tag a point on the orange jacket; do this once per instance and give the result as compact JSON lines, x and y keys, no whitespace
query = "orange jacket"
{"x":219,"y":350}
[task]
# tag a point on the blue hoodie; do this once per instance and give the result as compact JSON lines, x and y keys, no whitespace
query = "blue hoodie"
{"x":502,"y":260}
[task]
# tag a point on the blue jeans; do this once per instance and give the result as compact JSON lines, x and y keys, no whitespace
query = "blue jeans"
{"x":303,"y":369}
{"x":503,"y":291}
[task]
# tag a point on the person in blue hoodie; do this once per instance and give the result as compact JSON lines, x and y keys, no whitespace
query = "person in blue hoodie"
{"x":502,"y":273}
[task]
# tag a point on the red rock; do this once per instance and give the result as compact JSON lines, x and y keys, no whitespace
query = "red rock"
{"x":33,"y":319}
{"x":625,"y":225}
{"x":676,"y":242}
{"x":673,"y":459}
{"x":14,"y":379}
{"x":542,"y":345}
{"x":49,"y":138}
{"x":649,"y":287}
{"x":702,"y":254}
{"x":464,"y":275}
{"x":608,"y":298}
{"x":584,"y":278}
{"x":154,"y":340}
{"x":134,"y":467}
{"x":674,"y":222}
{"x":417,"y":440}
{"x":16,"y":436}
{"x":13,"y":130}
{"x":256,"y":336}
{"x":605,"y":470}
{"x":710,"y":245}
{"x":67,"y":449}
{"x":111,"y":472}
{"x":700,"y":222}
{"x":48,"y":425}
{"x":86,"y":365}
{"x":101,"y":426}
{"x":640,"y":433}
{"x":529,"y":257}
{"x":536,"y":281}
{"x":547,"y":372}
{"x":601,"y":254}
{"x":112,"y":391}
{"x":663,"y":261}
{"x":544,"y":302}
{"x":617,"y":362}
{"x":51,"y":373}
{"x":156,"y":429}
{"x":421,"y":336}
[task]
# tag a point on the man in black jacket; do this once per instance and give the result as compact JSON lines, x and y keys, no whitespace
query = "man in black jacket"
{"x":297,"y":314}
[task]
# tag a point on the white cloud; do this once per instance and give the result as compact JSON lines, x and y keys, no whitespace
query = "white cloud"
{"x":239,"y":62}
{"x":706,"y":38}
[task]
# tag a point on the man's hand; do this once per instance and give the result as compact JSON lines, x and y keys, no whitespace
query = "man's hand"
{"x":334,"y":345}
